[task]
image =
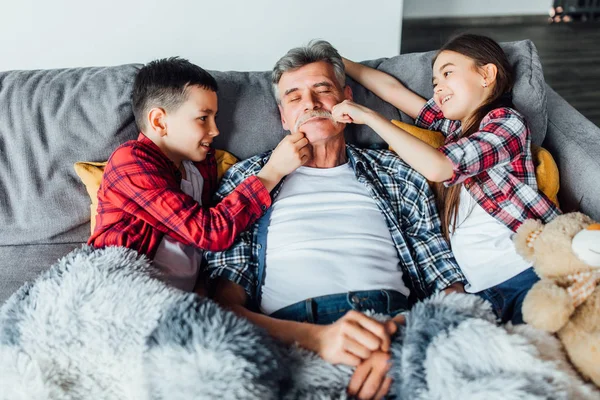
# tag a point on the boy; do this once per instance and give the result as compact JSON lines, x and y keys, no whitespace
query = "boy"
{"x":156,"y":190}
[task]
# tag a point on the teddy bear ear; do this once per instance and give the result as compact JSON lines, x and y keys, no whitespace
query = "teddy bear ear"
{"x":526,"y":236}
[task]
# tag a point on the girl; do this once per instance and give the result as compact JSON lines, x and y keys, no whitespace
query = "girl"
{"x":485,"y":175}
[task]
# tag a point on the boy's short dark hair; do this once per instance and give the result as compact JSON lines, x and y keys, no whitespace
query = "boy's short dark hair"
{"x":163,"y":83}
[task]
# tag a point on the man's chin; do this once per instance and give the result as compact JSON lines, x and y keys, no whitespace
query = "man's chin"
{"x":317,"y":136}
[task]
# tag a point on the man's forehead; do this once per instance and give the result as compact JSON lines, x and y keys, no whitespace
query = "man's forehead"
{"x":308,"y":75}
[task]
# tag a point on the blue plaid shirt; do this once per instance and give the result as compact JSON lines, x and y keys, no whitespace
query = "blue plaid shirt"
{"x":402,"y":195}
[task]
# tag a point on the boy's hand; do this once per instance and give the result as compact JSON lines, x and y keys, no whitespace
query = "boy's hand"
{"x":349,"y":112}
{"x":292,"y":152}
{"x":353,"y":338}
{"x":369,"y":380}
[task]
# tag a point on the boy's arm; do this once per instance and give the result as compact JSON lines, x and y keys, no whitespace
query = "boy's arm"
{"x":139,"y":184}
{"x":386,"y":87}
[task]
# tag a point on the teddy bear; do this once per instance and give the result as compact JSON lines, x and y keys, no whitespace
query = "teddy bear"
{"x":565,"y":254}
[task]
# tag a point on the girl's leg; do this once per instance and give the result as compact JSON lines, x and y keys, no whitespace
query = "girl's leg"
{"x":507,"y":297}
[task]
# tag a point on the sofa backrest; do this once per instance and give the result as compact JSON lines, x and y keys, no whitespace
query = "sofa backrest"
{"x":50,"y":119}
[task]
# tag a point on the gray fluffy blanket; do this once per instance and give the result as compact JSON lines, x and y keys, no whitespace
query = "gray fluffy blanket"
{"x":98,"y":326}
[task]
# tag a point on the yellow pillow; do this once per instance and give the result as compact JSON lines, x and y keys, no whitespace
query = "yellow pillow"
{"x":546,"y":171}
{"x":90,"y":174}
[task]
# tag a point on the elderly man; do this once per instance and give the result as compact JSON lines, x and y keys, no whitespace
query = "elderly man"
{"x":351,"y":230}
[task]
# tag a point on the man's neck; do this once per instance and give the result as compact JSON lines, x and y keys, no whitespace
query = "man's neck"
{"x":328,"y":154}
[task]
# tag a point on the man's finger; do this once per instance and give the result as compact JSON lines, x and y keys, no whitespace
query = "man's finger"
{"x":349,"y":359}
{"x":384,"y":389}
{"x":375,"y":327}
{"x":373,"y":383}
{"x":353,"y":347}
{"x":358,"y":378}
{"x":362,"y":336}
{"x":391,"y":327}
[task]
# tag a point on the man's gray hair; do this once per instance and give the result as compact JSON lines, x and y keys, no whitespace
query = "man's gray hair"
{"x":314,"y":51}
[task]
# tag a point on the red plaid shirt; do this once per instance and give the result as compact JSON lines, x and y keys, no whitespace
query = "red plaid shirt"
{"x":495,"y":164}
{"x":140,"y":200}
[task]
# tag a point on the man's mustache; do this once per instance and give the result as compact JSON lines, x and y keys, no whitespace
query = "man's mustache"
{"x":313,"y":114}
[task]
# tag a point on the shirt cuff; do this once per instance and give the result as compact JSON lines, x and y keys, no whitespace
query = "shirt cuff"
{"x":255,"y":191}
{"x":453,"y":152}
{"x":428,"y":114}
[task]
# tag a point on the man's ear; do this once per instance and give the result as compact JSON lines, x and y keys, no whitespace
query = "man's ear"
{"x":489,"y":72}
{"x":157,"y":121}
{"x":283,"y":121}
{"x":348,"y":93}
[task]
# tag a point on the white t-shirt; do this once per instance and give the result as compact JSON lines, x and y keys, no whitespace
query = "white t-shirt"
{"x":483,"y":247}
{"x":179,"y":263}
{"x":326,"y":236}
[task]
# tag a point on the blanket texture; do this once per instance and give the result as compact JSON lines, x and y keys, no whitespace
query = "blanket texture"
{"x":98,"y":325}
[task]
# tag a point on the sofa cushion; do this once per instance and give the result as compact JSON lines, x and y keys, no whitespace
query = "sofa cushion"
{"x":20,"y":264}
{"x":529,"y":92}
{"x":49,"y":119}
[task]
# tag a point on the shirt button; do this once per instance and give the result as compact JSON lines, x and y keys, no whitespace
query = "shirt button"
{"x":490,"y":209}
{"x":259,"y":246}
{"x":355,"y":299}
{"x":263,"y":207}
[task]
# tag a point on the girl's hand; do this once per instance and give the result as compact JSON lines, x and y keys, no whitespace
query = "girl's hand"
{"x":349,"y":112}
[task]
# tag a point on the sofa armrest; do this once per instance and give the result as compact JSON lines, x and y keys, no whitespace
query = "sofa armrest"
{"x":575,"y":143}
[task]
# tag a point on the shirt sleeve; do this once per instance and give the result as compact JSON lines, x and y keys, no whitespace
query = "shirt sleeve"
{"x":431,"y":251}
{"x":431,"y":117}
{"x":501,"y":139}
{"x":143,"y":186}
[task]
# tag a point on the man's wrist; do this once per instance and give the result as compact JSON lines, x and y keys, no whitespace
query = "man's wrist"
{"x":310,"y":337}
{"x":457,"y":287}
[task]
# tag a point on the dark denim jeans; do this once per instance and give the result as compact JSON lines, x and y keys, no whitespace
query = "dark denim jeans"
{"x":507,"y":297}
{"x":324,"y":310}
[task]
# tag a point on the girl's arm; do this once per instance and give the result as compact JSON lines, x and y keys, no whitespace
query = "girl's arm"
{"x":427,"y":160}
{"x":386,"y":87}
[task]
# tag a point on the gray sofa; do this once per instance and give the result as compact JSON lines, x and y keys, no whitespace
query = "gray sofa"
{"x":49,"y":119}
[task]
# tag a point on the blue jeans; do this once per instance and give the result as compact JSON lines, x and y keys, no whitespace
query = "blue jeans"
{"x":324,"y":310}
{"x":507,"y":297}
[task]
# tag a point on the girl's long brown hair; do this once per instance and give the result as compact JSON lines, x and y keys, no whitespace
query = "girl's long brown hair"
{"x":482,"y":50}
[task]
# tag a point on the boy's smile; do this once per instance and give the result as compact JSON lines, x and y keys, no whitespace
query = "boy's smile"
{"x":191,"y":128}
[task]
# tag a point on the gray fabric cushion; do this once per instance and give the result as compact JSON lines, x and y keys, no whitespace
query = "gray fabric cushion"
{"x":575,"y":143}
{"x":529,"y":92}
{"x":19,"y":264}
{"x":50,"y":119}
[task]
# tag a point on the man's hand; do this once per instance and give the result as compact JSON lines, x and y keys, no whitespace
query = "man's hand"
{"x":292,"y":152}
{"x":353,"y":338}
{"x":369,"y":380}
{"x":349,"y":112}
{"x":457,"y":287}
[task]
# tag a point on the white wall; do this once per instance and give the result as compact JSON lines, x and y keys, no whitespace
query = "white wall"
{"x":474,"y":8}
{"x":216,"y":34}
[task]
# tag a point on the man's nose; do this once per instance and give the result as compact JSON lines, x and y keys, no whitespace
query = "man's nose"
{"x":311,"y":102}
